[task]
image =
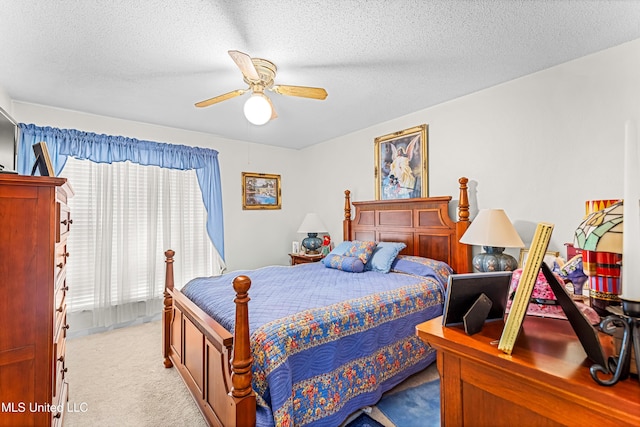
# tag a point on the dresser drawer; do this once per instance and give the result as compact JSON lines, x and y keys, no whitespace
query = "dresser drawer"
{"x":60,"y":403}
{"x":60,"y":296}
{"x":59,"y":374}
{"x":64,"y":221}
{"x":60,"y":261}
{"x":60,"y":320}
{"x":59,"y":353}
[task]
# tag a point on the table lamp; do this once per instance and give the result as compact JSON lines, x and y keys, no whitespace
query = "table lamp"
{"x":603,"y":231}
{"x":493,"y":230}
{"x":599,"y":235}
{"x":312,"y":225}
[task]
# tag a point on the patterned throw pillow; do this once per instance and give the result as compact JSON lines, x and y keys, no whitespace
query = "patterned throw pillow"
{"x":362,"y":250}
{"x":383,"y":255}
{"x":344,"y":263}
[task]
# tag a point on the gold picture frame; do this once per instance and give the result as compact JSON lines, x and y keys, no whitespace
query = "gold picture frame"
{"x":549,"y":257}
{"x":401,"y":164}
{"x":260,"y":191}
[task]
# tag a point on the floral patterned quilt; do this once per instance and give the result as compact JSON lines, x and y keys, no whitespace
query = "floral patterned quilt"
{"x":326,"y":342}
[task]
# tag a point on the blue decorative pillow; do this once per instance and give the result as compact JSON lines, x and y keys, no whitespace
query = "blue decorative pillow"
{"x":420,"y":266}
{"x":344,"y":263}
{"x":340,"y":249}
{"x":382,"y":257}
{"x":362,"y":250}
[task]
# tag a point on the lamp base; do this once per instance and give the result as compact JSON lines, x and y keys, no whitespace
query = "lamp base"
{"x":629,"y":319}
{"x":494,"y":260}
{"x":312,"y":243}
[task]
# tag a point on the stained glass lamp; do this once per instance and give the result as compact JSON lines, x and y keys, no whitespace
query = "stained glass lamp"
{"x":601,"y":231}
{"x":599,"y":236}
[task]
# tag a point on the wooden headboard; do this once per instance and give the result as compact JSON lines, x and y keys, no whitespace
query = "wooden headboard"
{"x":422,"y":224}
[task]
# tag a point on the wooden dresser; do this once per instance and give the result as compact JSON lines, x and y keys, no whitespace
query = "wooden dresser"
{"x":35,"y":222}
{"x":544,"y":382}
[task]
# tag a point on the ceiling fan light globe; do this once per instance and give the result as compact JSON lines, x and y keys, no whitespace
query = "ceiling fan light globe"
{"x":257,"y":109}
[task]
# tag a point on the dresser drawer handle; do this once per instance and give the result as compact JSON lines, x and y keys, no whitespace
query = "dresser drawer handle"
{"x":66,"y":254}
{"x":64,"y":371}
{"x":60,"y":265}
{"x":65,"y":327}
{"x":61,"y":359}
{"x":66,"y":288}
{"x":65,"y":222}
{"x":59,"y":309}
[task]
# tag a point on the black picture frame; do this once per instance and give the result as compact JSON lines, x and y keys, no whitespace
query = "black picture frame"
{"x":43,"y":160}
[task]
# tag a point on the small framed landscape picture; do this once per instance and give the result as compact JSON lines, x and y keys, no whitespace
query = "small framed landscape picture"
{"x":401,"y":164}
{"x":260,"y":191}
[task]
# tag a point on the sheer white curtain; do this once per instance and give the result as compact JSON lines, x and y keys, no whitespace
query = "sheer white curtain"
{"x":124,"y":217}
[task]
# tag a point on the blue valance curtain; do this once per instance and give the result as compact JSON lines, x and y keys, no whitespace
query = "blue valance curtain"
{"x":108,"y":149}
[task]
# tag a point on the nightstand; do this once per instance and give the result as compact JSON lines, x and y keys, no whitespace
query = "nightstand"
{"x":546,"y":381}
{"x":304,"y":259}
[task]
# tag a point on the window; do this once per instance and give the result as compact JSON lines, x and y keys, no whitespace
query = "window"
{"x":124,"y":217}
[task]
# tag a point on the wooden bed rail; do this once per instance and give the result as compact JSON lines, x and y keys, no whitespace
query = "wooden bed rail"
{"x":242,"y":359}
{"x":167,"y":311}
{"x":224,"y":397}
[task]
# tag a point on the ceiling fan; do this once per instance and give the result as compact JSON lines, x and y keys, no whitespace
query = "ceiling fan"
{"x":259,"y":74}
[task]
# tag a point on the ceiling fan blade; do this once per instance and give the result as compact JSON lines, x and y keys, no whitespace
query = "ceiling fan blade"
{"x":244,"y":62}
{"x":303,"y":91}
{"x":220,"y":98}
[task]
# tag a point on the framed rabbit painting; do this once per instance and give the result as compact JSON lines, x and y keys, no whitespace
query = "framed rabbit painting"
{"x":401,"y":164}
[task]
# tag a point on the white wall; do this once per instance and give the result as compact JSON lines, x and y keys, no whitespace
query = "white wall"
{"x":5,"y":101}
{"x":538,"y":146}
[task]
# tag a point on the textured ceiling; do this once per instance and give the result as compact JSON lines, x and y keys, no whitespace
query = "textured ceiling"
{"x":151,"y":60}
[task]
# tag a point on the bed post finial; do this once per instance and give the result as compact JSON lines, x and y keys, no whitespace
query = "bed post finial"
{"x":347,"y":204}
{"x":463,"y":205}
{"x":167,"y":311}
{"x":346,"y":223}
{"x":242,"y":360}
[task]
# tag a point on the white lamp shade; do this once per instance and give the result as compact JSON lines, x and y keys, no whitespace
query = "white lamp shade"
{"x":257,"y":109}
{"x":492,"y":227}
{"x":312,"y":224}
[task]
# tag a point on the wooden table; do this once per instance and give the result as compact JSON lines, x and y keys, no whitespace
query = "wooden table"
{"x":304,"y":259}
{"x":544,"y":382}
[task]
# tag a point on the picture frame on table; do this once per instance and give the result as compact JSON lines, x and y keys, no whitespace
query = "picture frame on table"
{"x":549,"y":257}
{"x":401,"y":164}
{"x":43,"y":161}
{"x":261,"y":191}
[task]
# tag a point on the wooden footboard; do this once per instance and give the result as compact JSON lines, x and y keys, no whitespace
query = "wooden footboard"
{"x":216,"y":365}
{"x":217,"y":373}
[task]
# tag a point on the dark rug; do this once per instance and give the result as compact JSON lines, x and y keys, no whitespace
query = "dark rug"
{"x":414,"y":407}
{"x":364,"y":420}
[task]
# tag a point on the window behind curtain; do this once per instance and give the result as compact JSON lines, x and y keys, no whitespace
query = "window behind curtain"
{"x":124,"y":217}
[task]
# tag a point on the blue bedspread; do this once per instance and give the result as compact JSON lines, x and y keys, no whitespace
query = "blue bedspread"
{"x":325,"y":342}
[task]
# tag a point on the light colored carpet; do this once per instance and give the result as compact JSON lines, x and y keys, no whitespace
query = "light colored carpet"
{"x":118,"y":378}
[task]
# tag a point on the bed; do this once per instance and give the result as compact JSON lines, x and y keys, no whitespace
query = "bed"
{"x":315,"y":358}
